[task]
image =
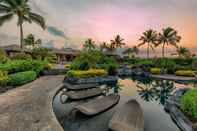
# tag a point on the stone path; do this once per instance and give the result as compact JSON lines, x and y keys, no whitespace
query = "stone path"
{"x":29,"y":107}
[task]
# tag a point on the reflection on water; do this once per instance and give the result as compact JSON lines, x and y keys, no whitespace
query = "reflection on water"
{"x":150,"y":89}
{"x":150,"y":93}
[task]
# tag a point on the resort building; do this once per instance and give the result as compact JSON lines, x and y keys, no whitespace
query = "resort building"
{"x":63,"y":55}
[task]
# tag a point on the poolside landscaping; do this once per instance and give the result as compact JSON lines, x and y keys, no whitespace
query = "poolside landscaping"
{"x":103,"y":86}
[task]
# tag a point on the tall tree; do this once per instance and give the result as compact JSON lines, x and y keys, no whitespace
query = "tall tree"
{"x":183,"y":52}
{"x":103,"y":46}
{"x":131,"y":52}
{"x":21,"y":9}
{"x":149,"y":37}
{"x":89,"y":45}
{"x":169,"y":36}
{"x":117,"y":42}
{"x":30,"y":40}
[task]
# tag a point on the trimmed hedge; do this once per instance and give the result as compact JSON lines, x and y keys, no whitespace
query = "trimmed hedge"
{"x":188,"y":73}
{"x":189,"y":103}
{"x":85,"y":74}
{"x":23,"y":65}
{"x":155,"y":70}
{"x":21,"y":78}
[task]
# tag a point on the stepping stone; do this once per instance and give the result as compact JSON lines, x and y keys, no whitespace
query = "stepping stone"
{"x":98,"y":105}
{"x":77,"y":95}
{"x":128,"y":118}
{"x":80,"y":87}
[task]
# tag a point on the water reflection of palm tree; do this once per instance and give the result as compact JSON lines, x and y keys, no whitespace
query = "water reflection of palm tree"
{"x":163,"y":90}
{"x":145,"y":89}
{"x":150,"y":90}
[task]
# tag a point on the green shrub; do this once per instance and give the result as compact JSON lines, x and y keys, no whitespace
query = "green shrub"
{"x":92,"y":60}
{"x":3,"y":78}
{"x":155,"y":70}
{"x":87,"y":73}
{"x":188,"y":73}
{"x":194,"y":64}
{"x":145,"y":62}
{"x":3,"y":57}
{"x":189,"y":103}
{"x":21,"y":56}
{"x":15,"y":66}
{"x":21,"y":78}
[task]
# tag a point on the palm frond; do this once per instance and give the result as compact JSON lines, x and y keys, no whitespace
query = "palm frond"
{"x":38,"y":19}
{"x":4,"y":8}
{"x":5,"y":18}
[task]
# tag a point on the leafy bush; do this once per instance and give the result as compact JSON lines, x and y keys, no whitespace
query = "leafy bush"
{"x":194,"y":64}
{"x":155,"y":70}
{"x":145,"y":62}
{"x":92,"y":60}
{"x":188,"y":73}
{"x":85,"y":74}
{"x":3,"y":57}
{"x":21,"y":78}
{"x":48,"y":66}
{"x":189,"y":103}
{"x":23,"y":65}
{"x":67,"y":66}
{"x":22,"y":56}
{"x":3,"y":78}
{"x":112,"y":69}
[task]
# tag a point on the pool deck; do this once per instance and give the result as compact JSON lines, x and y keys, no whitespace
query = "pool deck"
{"x":174,"y":78}
{"x":29,"y":107}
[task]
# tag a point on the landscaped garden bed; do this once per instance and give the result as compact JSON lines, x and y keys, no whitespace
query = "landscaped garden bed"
{"x":182,"y":108}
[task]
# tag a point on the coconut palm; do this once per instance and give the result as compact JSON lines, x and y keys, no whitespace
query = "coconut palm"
{"x":117,"y":42}
{"x":131,"y":52}
{"x":21,"y":9}
{"x":89,"y":45}
{"x":183,"y":52}
{"x":149,"y":37}
{"x":31,"y":41}
{"x":169,"y":36}
{"x":103,"y":46}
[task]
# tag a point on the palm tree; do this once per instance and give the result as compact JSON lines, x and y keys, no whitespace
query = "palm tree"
{"x":21,"y":9}
{"x":31,"y":41}
{"x":168,"y":37}
{"x":183,"y":52}
{"x":89,"y":45}
{"x":117,"y":42}
{"x":103,"y":46}
{"x":149,"y":37}
{"x":131,"y":51}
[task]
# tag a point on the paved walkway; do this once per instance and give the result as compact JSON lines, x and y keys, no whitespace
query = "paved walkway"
{"x":29,"y":108}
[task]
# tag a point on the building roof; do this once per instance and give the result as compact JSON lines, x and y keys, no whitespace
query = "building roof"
{"x":66,"y":51}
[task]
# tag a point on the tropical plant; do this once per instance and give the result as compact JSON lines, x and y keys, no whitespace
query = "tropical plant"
{"x":189,"y":103}
{"x":30,"y":40}
{"x":169,"y":36}
{"x":103,"y":46}
{"x":183,"y":52}
{"x":149,"y":37}
{"x":21,"y":9}
{"x":131,"y":52}
{"x":3,"y":57}
{"x":89,"y":45}
{"x":117,"y":42}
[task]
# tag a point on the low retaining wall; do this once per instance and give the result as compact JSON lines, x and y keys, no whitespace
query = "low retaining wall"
{"x":99,"y":80}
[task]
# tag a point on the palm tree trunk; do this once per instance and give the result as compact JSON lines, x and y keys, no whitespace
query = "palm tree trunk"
{"x":21,"y":35}
{"x":148,"y":51}
{"x":163,"y":50}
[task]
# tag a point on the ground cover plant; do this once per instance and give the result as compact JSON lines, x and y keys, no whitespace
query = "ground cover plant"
{"x":189,"y":103}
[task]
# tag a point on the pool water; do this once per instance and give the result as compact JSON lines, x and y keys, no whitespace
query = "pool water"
{"x":151,"y":94}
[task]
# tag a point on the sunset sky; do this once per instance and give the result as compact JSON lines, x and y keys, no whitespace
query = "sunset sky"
{"x":73,"y":21}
